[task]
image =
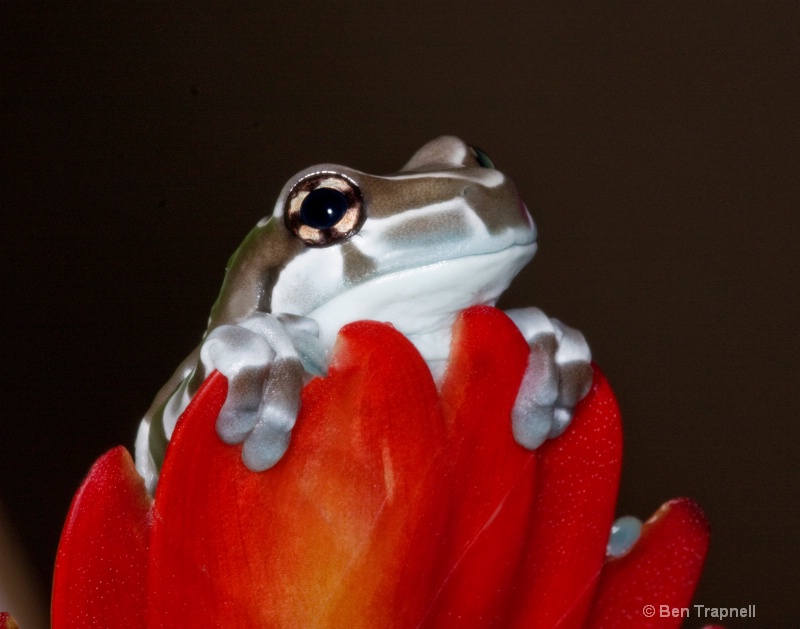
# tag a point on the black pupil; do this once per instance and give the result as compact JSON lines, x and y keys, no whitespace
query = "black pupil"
{"x":323,"y":208}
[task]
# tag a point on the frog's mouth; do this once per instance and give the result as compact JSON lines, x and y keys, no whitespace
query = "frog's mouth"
{"x":424,"y":300}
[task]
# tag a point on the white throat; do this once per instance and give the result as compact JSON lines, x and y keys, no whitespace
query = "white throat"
{"x":423,"y":302}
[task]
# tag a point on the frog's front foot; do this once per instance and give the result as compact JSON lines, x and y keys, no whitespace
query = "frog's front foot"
{"x":265,"y":359}
{"x":558,"y":376}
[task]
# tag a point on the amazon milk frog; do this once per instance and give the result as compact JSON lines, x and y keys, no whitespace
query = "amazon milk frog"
{"x":414,"y":249}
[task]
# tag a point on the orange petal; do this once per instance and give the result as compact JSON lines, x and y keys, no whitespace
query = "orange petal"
{"x":662,"y":568}
{"x":344,"y":531}
{"x":493,"y":476}
{"x":576,"y":490}
{"x":101,"y":563}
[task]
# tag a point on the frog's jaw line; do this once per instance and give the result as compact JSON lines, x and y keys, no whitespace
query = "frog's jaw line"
{"x":423,"y":302}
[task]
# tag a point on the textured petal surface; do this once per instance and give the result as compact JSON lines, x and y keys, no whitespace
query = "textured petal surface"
{"x":492,"y":482}
{"x":576,"y":491}
{"x":661,"y":569}
{"x":394,"y":506}
{"x":101,"y":563}
{"x":7,"y":622}
{"x":342,"y":532}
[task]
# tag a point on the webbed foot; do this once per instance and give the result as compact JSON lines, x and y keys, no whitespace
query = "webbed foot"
{"x":265,"y":359}
{"x":558,"y":376}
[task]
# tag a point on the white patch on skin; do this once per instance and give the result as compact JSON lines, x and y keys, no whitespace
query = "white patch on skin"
{"x":307,"y":280}
{"x":422,"y":302}
{"x":483,"y":176}
{"x":144,"y":460}
{"x":175,"y":407}
{"x":532,"y":322}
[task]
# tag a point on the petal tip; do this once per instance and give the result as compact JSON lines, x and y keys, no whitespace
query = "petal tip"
{"x":7,"y":622}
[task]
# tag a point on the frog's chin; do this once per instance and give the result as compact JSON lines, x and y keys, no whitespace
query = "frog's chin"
{"x":423,"y":302}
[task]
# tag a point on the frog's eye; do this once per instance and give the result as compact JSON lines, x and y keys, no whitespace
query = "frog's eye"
{"x":482,"y":158}
{"x":324,"y":208}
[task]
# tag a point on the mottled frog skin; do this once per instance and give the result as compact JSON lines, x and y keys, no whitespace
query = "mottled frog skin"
{"x":414,"y":249}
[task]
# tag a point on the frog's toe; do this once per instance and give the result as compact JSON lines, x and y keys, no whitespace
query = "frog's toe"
{"x":280,"y":403}
{"x":561,"y":420}
{"x":532,"y":415}
{"x":575,"y":380}
{"x":265,"y":446}
{"x":243,"y":357}
{"x":239,"y":414}
{"x":573,"y":363}
{"x":532,"y":426}
{"x":558,"y":376}
{"x":265,"y":377}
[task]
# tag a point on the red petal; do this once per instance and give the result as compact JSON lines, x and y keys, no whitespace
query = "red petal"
{"x":661,"y":569}
{"x":576,"y":490}
{"x":101,"y":563}
{"x":341,"y":532}
{"x":7,"y":622}
{"x":493,"y":476}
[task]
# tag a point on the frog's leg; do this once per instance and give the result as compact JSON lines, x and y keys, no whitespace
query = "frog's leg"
{"x":558,"y":376}
{"x":266,"y":359}
{"x":152,"y":436}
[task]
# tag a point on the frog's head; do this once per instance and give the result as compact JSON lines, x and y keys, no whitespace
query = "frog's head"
{"x":446,"y":232}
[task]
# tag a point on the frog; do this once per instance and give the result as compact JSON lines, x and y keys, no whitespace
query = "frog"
{"x":415,"y":248}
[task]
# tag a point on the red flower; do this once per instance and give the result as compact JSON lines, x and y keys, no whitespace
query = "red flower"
{"x":7,"y":622}
{"x":395,"y":506}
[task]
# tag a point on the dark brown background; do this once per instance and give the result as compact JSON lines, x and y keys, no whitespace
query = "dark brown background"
{"x":655,"y":143}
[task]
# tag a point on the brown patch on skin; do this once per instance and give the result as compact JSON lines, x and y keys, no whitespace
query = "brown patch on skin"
{"x":357,"y":265}
{"x":253,"y":271}
{"x":426,"y":231}
{"x":385,"y":196}
{"x":497,"y":207}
